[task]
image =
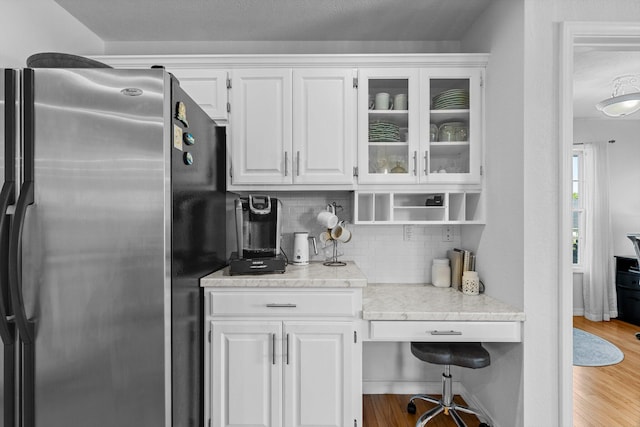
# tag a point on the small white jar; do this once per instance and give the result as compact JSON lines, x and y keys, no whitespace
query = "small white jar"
{"x":441,"y":273}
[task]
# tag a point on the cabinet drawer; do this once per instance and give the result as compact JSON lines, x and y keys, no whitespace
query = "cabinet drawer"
{"x":404,"y":330}
{"x":283,"y":303}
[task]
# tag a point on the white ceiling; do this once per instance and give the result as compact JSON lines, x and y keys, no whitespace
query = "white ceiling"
{"x":594,"y":72}
{"x":327,"y":20}
{"x":274,"y":20}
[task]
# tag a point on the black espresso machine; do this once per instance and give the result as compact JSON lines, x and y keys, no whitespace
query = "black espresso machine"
{"x":258,"y":232}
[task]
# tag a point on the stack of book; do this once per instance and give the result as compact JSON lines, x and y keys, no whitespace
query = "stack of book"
{"x":461,"y":260}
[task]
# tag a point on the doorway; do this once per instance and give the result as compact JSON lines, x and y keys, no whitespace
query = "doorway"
{"x":601,"y":36}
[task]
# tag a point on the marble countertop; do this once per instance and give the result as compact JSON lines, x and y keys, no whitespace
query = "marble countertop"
{"x":313,"y":275}
{"x":427,"y":302}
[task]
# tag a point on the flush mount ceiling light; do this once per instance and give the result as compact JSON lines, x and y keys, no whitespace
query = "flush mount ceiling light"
{"x":625,"y":98}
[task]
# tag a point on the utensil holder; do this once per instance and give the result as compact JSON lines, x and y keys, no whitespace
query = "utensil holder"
{"x":333,"y":262}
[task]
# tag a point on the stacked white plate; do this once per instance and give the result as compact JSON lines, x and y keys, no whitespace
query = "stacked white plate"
{"x":380,"y":131}
{"x":451,"y":99}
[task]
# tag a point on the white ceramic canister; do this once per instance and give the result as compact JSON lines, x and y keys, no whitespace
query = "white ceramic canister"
{"x":441,"y":273}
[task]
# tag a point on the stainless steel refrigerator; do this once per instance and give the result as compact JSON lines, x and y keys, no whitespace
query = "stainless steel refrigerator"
{"x":112,"y":208}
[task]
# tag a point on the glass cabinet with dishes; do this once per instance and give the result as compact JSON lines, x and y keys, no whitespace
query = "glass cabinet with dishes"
{"x":388,"y":125}
{"x":451,"y":131}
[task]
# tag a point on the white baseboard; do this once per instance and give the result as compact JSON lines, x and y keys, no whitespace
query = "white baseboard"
{"x":577,"y":311}
{"x":421,"y":387}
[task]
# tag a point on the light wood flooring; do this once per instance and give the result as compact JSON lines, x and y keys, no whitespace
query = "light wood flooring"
{"x":606,"y":396}
{"x":390,"y":410}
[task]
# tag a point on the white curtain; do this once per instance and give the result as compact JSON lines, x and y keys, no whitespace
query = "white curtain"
{"x":599,"y":290}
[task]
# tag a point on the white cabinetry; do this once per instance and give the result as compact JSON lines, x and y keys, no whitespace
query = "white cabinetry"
{"x":292,"y":126}
{"x":435,"y":138}
{"x":283,"y":357}
{"x":208,"y":87}
{"x":388,"y":134}
{"x":436,"y":207}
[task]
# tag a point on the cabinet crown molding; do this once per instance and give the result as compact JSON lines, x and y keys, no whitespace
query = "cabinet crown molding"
{"x":298,"y":60}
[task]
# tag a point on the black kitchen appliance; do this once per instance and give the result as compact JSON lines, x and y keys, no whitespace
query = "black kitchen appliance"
{"x":258,"y":234}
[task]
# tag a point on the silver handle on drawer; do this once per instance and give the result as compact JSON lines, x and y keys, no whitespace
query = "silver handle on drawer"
{"x":436,"y":332}
{"x":287,"y":349}
{"x":273,"y":348}
{"x":276,"y":305}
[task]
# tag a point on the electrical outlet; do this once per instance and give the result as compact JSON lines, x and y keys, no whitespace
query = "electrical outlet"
{"x":447,"y":233}
{"x":409,"y":232}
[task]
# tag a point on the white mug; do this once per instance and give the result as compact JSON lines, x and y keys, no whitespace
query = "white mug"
{"x":383,"y":101}
{"x":400,"y":102}
{"x":340,"y":233}
{"x":325,"y":236}
{"x":327,"y":219}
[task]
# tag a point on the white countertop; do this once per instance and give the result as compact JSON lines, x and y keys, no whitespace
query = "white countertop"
{"x":313,"y":275}
{"x":427,"y":302}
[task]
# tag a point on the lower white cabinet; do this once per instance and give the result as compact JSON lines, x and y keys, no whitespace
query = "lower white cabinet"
{"x":282,"y":368}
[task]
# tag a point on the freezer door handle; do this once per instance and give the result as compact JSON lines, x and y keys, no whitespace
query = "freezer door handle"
{"x":7,"y":197}
{"x":7,"y":331}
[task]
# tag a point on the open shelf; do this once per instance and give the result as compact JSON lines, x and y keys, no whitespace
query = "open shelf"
{"x":438,"y":207}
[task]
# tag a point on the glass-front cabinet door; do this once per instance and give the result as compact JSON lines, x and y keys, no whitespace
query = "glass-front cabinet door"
{"x":388,"y":125}
{"x":451,"y":130}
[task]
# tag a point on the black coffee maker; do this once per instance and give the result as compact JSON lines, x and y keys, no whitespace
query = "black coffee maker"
{"x":258,"y":234}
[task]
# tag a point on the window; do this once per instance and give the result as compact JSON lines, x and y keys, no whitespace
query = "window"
{"x":577,"y":206}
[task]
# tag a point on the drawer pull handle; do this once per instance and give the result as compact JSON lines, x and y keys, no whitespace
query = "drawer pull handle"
{"x":274,"y":305}
{"x":259,"y":266}
{"x":436,"y":332}
{"x":273,"y":348}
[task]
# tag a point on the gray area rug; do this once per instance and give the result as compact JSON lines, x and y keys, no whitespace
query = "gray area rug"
{"x":591,"y":350}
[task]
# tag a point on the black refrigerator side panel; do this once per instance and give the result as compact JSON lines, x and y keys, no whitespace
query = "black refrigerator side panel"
{"x":198,"y":239}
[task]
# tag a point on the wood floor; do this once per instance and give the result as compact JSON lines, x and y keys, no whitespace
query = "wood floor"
{"x":390,"y":410}
{"x":608,"y":395}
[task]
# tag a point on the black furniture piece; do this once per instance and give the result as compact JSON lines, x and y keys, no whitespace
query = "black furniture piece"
{"x":628,"y":289}
{"x":467,"y":355}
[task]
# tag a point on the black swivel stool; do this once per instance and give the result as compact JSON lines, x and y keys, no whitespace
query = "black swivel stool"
{"x":465,"y":354}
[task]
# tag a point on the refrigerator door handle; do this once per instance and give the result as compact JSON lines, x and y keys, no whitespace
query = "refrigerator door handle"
{"x":15,"y":279}
{"x":25,"y":199}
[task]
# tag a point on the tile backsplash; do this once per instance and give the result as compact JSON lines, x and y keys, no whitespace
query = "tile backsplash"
{"x":385,"y":253}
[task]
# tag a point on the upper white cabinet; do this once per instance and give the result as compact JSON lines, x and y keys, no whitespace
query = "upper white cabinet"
{"x":292,"y":126}
{"x":388,"y":125}
{"x":203,"y":81}
{"x":420,"y":126}
{"x":207,"y":86}
{"x":451,"y":125}
{"x":324,"y":131}
{"x":260,"y":126}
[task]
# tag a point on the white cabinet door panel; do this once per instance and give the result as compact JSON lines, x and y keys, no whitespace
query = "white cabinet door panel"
{"x":318,"y":374}
{"x":324,"y":126}
{"x":260,"y":121}
{"x":246,"y":374}
{"x":208,"y":87}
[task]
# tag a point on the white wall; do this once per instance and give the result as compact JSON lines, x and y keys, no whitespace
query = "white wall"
{"x":32,"y":26}
{"x":543,"y":403}
{"x":500,"y":244}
